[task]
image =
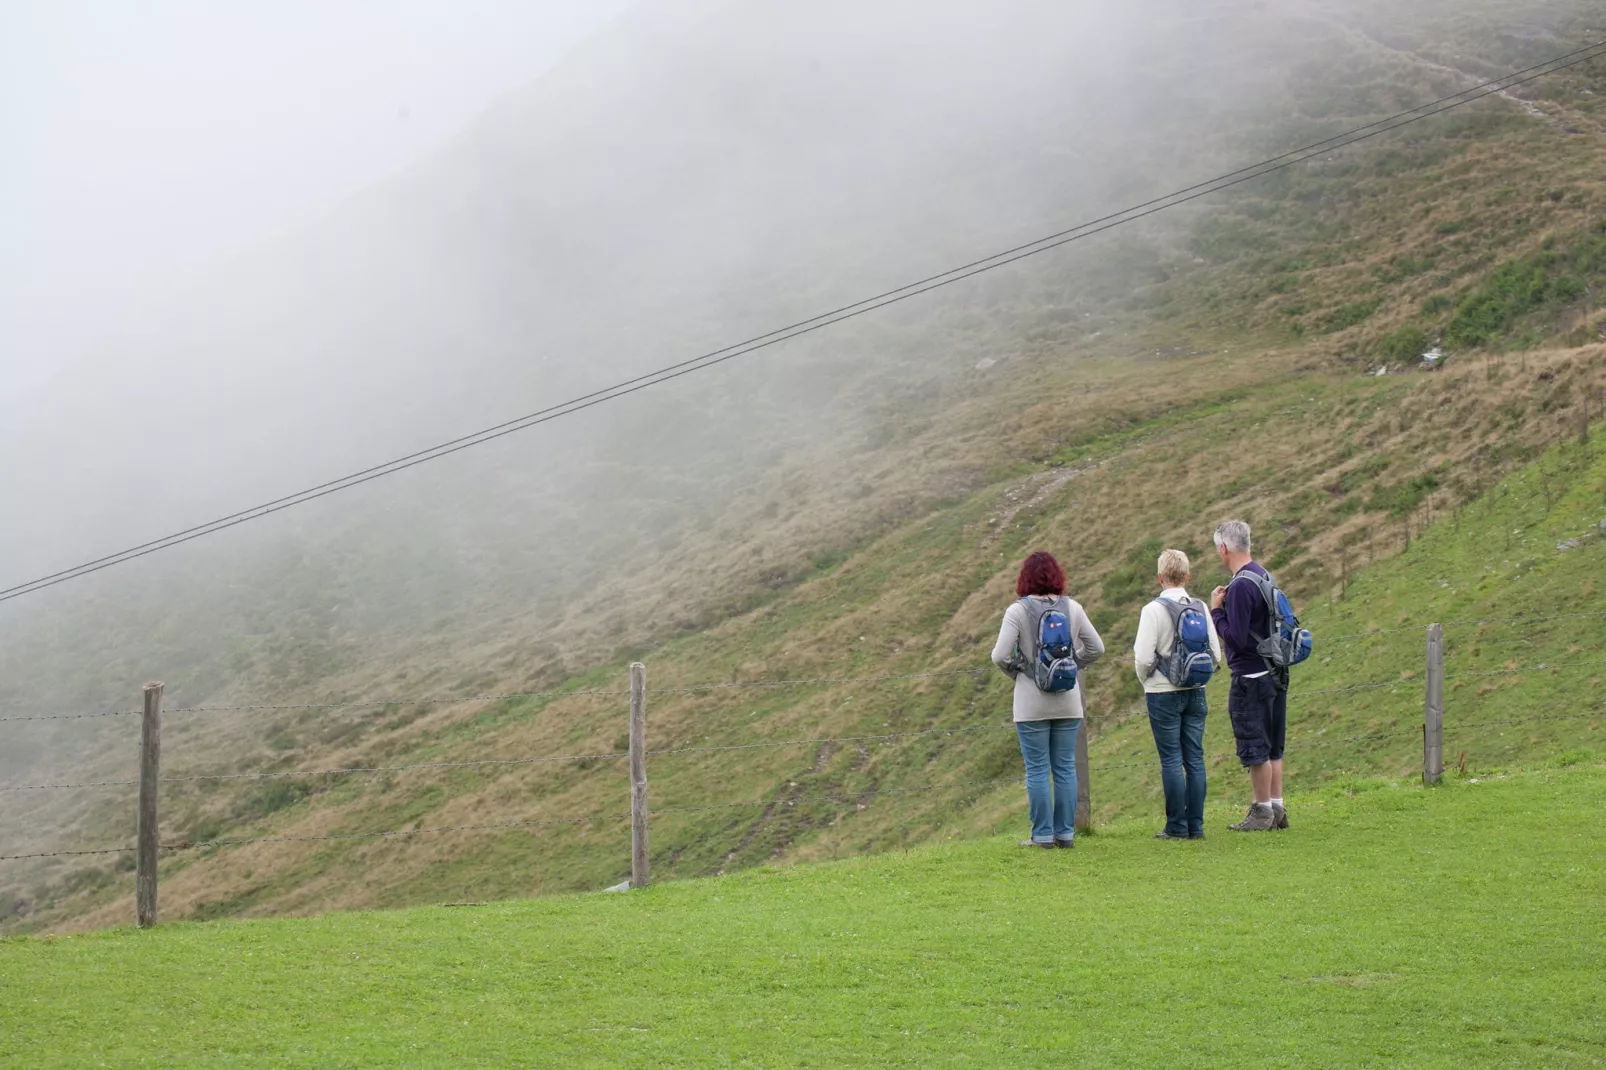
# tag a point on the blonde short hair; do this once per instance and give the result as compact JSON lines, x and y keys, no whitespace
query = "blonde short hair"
{"x":1173,"y":567}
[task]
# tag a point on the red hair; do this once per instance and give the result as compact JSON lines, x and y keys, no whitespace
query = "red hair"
{"x":1041,"y":574}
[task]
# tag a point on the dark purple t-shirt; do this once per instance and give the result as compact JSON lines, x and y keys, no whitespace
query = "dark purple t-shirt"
{"x":1242,"y":622}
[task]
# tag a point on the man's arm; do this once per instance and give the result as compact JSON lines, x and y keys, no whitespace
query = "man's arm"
{"x":1233,"y":612}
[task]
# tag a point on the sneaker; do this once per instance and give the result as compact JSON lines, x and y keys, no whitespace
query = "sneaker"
{"x":1279,"y":816}
{"x":1034,"y":843}
{"x":1195,"y":835}
{"x":1164,"y":835}
{"x":1259,"y":819}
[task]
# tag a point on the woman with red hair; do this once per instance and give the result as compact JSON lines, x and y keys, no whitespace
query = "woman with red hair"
{"x":1047,"y":719}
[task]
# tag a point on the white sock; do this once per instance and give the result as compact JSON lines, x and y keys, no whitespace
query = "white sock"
{"x":1277,"y":802}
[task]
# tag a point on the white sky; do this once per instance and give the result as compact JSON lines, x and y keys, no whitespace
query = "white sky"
{"x":141,"y":140}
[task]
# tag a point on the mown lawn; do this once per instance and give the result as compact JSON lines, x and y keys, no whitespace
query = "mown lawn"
{"x":1391,"y":926}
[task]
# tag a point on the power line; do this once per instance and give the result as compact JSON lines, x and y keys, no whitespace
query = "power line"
{"x":814,"y":323}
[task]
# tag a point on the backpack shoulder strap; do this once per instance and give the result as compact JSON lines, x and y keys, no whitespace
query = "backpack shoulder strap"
{"x":1034,"y":617}
{"x":1265,"y":585}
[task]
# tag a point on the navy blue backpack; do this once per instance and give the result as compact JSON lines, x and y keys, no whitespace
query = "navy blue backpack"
{"x":1191,"y":663}
{"x":1052,"y":661}
{"x":1288,"y":644}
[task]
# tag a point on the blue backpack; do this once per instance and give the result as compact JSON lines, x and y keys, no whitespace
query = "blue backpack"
{"x":1052,"y":661}
{"x":1191,"y":663}
{"x":1288,"y":644}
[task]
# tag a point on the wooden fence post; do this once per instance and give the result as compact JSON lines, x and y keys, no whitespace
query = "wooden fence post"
{"x":639,"y":875}
{"x":1433,"y":709}
{"x":147,"y":841}
{"x":1084,"y":802}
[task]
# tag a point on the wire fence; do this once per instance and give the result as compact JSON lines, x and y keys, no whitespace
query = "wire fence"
{"x":855,"y":799}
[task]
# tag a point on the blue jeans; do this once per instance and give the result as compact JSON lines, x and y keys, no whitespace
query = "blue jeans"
{"x":1049,"y":748}
{"x":1178,"y":721}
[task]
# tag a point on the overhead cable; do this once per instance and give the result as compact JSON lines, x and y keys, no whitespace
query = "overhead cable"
{"x":824,"y":319}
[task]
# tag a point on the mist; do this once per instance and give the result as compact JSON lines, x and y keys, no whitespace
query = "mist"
{"x":692,"y":174}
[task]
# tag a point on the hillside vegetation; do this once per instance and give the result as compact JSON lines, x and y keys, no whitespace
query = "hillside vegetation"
{"x":1100,"y":408}
{"x":1384,"y":929}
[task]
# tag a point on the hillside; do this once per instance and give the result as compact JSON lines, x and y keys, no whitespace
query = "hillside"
{"x":1057,"y":399}
{"x":1383,"y":930}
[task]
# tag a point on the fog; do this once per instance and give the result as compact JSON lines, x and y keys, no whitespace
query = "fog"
{"x":144,"y":142}
{"x":254,"y":251}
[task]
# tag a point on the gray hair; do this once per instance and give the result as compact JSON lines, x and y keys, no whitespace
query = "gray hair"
{"x":1233,"y":536}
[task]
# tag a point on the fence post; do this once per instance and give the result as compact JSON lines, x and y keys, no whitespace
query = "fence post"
{"x":147,"y":842}
{"x":1084,"y":803}
{"x":639,"y":875}
{"x":1433,"y":709}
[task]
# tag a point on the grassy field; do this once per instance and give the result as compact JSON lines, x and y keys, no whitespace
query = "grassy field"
{"x":1392,"y":925}
{"x":1382,"y":502}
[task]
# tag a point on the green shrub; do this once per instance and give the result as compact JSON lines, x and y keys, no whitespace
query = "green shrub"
{"x":1547,"y":279}
{"x":1348,"y":315}
{"x":1407,"y":343}
{"x":276,"y":796}
{"x":1397,"y":499}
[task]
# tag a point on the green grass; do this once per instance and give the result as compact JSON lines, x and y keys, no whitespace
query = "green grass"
{"x":896,"y":555}
{"x":1391,"y":925}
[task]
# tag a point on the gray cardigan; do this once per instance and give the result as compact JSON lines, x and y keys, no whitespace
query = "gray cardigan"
{"x":1030,"y":703}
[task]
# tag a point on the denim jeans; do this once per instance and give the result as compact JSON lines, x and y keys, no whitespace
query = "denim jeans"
{"x":1049,"y":748}
{"x":1178,"y":721}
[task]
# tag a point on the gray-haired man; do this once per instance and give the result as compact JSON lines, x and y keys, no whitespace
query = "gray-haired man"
{"x":1257,"y":704}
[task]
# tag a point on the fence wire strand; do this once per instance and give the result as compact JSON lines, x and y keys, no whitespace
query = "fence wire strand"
{"x":804,"y":681}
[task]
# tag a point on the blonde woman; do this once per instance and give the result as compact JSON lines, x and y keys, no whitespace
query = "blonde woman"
{"x":1175,"y":653}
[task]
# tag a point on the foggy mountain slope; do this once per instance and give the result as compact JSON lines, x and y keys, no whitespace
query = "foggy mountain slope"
{"x":816,"y":491}
{"x":752,"y":167}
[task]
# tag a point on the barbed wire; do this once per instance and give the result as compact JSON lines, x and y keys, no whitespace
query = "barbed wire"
{"x":70,"y":854}
{"x":1543,"y":666}
{"x":1324,"y":639}
{"x":65,"y":787}
{"x":803,"y":681}
{"x":844,"y":797}
{"x":189,"y":845}
{"x":830,"y":739}
{"x":423,"y":700}
{"x":1298,"y":744}
{"x":70,"y":716}
{"x":1357,"y":687}
{"x":1588,"y":715}
{"x":392,"y":768}
{"x":601,"y":756}
{"x":1422,"y":628}
{"x":1520,"y":620}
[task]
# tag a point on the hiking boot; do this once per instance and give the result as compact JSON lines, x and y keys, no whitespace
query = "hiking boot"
{"x":1195,"y":835}
{"x":1259,"y":819}
{"x":1164,"y":835}
{"x":1064,"y":843}
{"x":1279,"y":816}
{"x":1034,"y":843}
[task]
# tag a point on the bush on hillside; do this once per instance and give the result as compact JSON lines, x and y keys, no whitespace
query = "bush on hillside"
{"x":1348,"y":315}
{"x":1405,"y":344}
{"x":1546,"y":280}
